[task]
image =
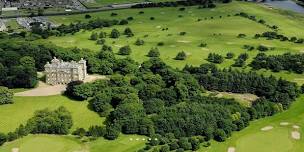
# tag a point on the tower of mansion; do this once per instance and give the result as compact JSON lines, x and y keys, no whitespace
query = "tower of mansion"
{"x":60,"y":72}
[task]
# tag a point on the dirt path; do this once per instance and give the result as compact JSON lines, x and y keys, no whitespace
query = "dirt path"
{"x":48,"y":90}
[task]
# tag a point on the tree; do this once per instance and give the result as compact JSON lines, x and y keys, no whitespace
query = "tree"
{"x":164,"y":148}
{"x":181,"y":56}
{"x":220,"y":135}
{"x":128,"y":32}
{"x":154,"y":52}
{"x":27,"y":61}
{"x":3,"y":138}
{"x":94,"y":36}
{"x":114,"y":34}
{"x":102,"y":35}
{"x":215,"y":58}
{"x":58,"y":121}
{"x":101,"y":104}
{"x":302,"y":88}
{"x":229,"y":55}
{"x":6,"y":96}
{"x":125,"y":50}
{"x":96,"y":131}
{"x":80,"y":132}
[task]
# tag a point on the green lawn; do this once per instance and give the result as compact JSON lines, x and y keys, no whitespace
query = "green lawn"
{"x":100,"y":3}
{"x":252,"y":139}
{"x":219,"y":33}
{"x":53,"y":143}
{"x":12,"y":115}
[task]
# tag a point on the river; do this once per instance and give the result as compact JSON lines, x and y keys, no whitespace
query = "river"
{"x":286,"y":4}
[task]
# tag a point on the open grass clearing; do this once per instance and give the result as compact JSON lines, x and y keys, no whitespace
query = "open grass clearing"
{"x":12,"y":115}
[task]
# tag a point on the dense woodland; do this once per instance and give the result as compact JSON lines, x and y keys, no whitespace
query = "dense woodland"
{"x":276,"y":63}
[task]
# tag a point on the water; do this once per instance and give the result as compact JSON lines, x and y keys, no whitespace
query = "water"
{"x":286,"y":4}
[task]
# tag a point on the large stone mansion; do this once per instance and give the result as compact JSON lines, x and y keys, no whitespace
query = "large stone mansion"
{"x":60,"y":72}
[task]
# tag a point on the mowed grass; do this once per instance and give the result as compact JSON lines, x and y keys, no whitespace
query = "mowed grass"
{"x":12,"y":115}
{"x":100,"y":3}
{"x":220,"y":33}
{"x":252,"y":139}
{"x":44,"y":143}
{"x":53,"y":143}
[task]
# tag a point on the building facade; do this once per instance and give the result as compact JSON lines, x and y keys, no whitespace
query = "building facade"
{"x":60,"y":72}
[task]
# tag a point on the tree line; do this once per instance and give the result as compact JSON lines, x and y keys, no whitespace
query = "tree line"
{"x":277,"y":63}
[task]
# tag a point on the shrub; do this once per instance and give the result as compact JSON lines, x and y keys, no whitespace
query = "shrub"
{"x":182,"y":33}
{"x":102,"y":34}
{"x":94,"y":36}
{"x":139,"y":42}
{"x":123,"y":22}
{"x":241,"y":35}
{"x":262,"y":48}
{"x":101,"y":41}
{"x":203,"y":45}
{"x":87,"y":16}
{"x":125,"y":50}
{"x":152,"y":18}
{"x":6,"y":96}
{"x":114,"y":14}
{"x":115,"y":34}
{"x":182,"y":9}
{"x":3,"y":138}
{"x":130,"y":18}
{"x":154,"y":52}
{"x":79,"y":132}
{"x":229,"y":55}
{"x":181,"y":56}
{"x":160,"y":43}
{"x":96,"y":131}
{"x":128,"y":32}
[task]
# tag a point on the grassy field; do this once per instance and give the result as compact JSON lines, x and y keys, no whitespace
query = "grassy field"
{"x":52,"y":143}
{"x":100,"y":3}
{"x":11,"y":116}
{"x":219,"y":33}
{"x":252,"y":139}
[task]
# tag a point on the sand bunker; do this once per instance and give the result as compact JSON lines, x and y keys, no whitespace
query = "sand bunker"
{"x":284,"y":123}
{"x":158,"y":26}
{"x":296,"y":135}
{"x":296,"y":127}
{"x":231,"y":149}
{"x":172,"y":46}
{"x":205,"y":49}
{"x":230,"y":43}
{"x":183,"y":41}
{"x":267,"y":128}
{"x":15,"y":150}
{"x":162,"y":12}
{"x":116,"y":45}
